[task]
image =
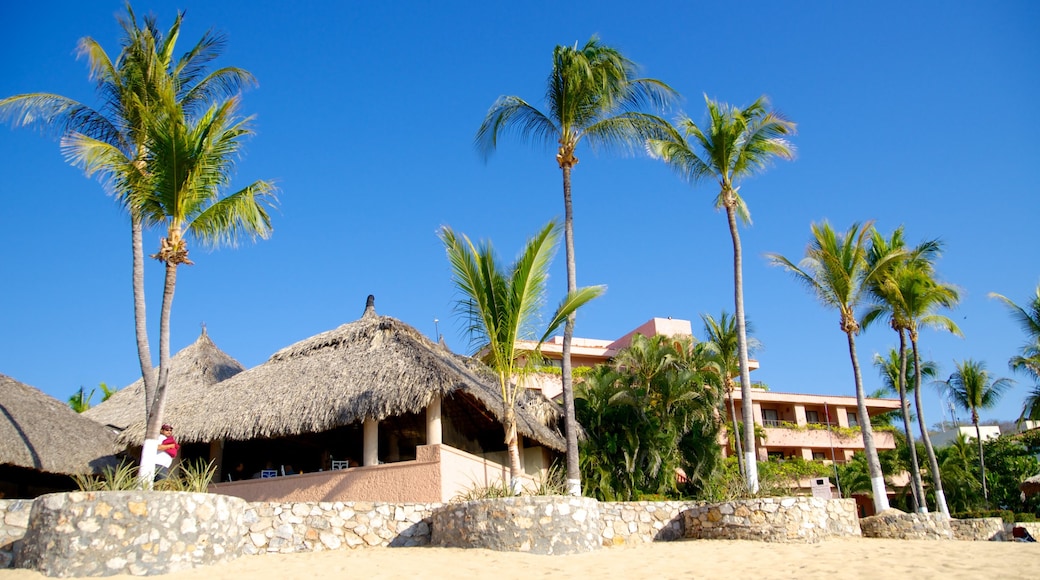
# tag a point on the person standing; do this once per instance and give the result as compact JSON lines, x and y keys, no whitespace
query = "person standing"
{"x":167,"y":451}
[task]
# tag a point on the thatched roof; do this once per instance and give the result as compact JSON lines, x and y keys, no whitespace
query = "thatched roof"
{"x":196,"y":368}
{"x":375,"y":367}
{"x":39,"y":432}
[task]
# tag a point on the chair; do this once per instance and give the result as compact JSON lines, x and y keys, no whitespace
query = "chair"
{"x":337,"y":465}
{"x":265,"y":473}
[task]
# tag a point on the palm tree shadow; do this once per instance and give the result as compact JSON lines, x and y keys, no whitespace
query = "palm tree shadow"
{"x":25,"y":438}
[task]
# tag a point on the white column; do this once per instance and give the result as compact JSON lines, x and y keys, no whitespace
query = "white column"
{"x":434,"y":434}
{"x":371,"y":435}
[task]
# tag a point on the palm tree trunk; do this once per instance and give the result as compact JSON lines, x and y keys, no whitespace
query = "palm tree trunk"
{"x":515,"y":469}
{"x":982,"y":459}
{"x":933,"y":461}
{"x":750,"y":459}
{"x":735,"y":437}
{"x":144,"y":353}
{"x":570,"y":423}
{"x":877,"y":478}
{"x":155,"y":417}
{"x":904,"y":406}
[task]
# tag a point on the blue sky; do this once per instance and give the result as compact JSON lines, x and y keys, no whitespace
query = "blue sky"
{"x":908,"y":113}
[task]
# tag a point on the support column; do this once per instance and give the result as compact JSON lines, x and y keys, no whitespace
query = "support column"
{"x":371,"y":435}
{"x":434,"y":434}
{"x":799,"y":416}
{"x":216,"y":455}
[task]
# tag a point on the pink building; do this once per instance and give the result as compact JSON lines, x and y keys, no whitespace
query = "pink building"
{"x":812,"y":426}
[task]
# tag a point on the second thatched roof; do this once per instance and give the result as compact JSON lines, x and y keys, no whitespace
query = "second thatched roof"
{"x":375,"y":367}
{"x":194,"y":369}
{"x":39,"y":432}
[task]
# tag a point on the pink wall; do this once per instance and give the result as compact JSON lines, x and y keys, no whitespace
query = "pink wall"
{"x":438,"y":474}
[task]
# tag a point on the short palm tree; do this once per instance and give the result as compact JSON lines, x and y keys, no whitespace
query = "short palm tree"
{"x":1028,"y":361}
{"x":836,"y":270}
{"x":971,"y":388}
{"x":723,"y":344}
{"x":593,"y":94}
{"x":736,"y":143}
{"x":145,"y":72}
{"x":501,"y":307}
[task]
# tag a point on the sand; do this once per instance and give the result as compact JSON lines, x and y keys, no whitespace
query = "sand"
{"x":848,"y":558}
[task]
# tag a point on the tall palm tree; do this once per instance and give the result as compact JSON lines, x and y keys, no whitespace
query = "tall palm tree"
{"x":593,"y":94}
{"x":893,"y":370}
{"x":723,"y":344}
{"x":130,"y":88}
{"x":735,"y":144}
{"x":1028,"y":361}
{"x":836,"y":269}
{"x":908,"y":295}
{"x":188,"y":166}
{"x":971,"y":388}
{"x":501,"y":307}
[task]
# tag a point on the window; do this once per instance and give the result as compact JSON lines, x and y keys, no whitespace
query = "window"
{"x":853,"y":420}
{"x":812,"y":416}
{"x":818,"y":455}
{"x":770,"y":418}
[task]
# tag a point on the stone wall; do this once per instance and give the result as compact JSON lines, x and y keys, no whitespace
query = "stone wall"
{"x":773,"y":519}
{"x":314,"y":527}
{"x":535,"y":524}
{"x":640,"y":522}
{"x":14,"y":518}
{"x":978,"y":529}
{"x":130,"y":532}
{"x":900,"y":525}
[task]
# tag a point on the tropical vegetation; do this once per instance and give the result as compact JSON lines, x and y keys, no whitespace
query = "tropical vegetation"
{"x":836,"y":270}
{"x":651,"y":419}
{"x":734,"y":144}
{"x":500,"y":307}
{"x":147,"y":84}
{"x":971,"y":388}
{"x":593,"y":94}
{"x":1027,"y":362}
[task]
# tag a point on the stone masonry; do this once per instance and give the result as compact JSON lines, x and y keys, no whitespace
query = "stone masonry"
{"x":899,"y":525}
{"x":774,"y":519}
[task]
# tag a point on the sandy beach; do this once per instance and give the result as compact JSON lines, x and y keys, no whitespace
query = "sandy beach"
{"x":850,"y":558}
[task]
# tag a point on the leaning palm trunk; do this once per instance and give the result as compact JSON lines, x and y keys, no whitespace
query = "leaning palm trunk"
{"x":877,"y":478}
{"x":155,"y":416}
{"x":571,"y":424}
{"x":933,"y":462}
{"x":904,"y":407}
{"x":750,"y":455}
{"x":144,"y":353}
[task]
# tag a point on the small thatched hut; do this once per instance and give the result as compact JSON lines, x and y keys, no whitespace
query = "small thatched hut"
{"x":375,"y":391}
{"x":1031,"y":486}
{"x":197,"y":367}
{"x":43,"y":442}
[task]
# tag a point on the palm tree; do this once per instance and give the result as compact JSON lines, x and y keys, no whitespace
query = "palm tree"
{"x":908,"y":295}
{"x":130,"y":88}
{"x":723,"y":343}
{"x":971,"y":388}
{"x":893,"y":370}
{"x":502,"y":307}
{"x":737,"y":143}
{"x":593,"y":94}
{"x":188,"y":165}
{"x":80,"y":400}
{"x":1028,"y":362}
{"x":836,"y":269}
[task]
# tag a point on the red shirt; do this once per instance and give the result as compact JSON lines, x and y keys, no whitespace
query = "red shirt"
{"x":172,"y":450}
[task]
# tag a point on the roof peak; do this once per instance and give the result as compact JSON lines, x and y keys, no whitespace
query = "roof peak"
{"x":370,"y":306}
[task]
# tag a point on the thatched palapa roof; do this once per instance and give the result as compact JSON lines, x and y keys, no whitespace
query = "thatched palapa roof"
{"x":375,"y":367}
{"x":1030,"y":486}
{"x":39,"y":432}
{"x":195,"y":368}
